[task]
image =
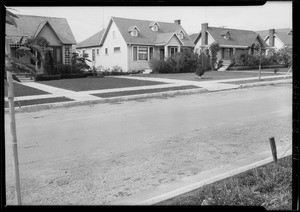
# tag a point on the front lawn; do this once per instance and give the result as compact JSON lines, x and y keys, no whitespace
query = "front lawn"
{"x":144,"y":91}
{"x":87,"y":84}
{"x":23,"y":90}
{"x":209,"y":75}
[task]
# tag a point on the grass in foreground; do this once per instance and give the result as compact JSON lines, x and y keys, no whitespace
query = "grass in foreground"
{"x":269,"y":186}
{"x":144,"y":91}
{"x":23,"y":90}
{"x":256,"y":80}
{"x":87,"y":84}
{"x":39,"y":101}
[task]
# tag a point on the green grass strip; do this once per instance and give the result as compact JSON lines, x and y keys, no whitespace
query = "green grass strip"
{"x":39,"y":101}
{"x":145,"y":91}
{"x":256,"y":80}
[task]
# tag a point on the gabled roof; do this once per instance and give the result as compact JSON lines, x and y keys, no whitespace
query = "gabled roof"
{"x":282,"y":34}
{"x":193,"y":36}
{"x":239,"y":38}
{"x":94,"y":40}
{"x":146,"y":36}
{"x":29,"y":26}
{"x":164,"y":38}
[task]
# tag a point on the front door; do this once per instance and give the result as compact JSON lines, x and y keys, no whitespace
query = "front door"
{"x":161,"y":54}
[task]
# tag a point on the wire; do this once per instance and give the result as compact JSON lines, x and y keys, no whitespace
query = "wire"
{"x":286,"y":151}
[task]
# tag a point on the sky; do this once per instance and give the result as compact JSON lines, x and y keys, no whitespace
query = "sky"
{"x":86,"y":21}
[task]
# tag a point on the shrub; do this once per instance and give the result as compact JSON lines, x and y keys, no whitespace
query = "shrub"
{"x":160,"y":66}
{"x":63,"y":69}
{"x":44,"y":77}
{"x":214,"y":48}
{"x":116,"y":70}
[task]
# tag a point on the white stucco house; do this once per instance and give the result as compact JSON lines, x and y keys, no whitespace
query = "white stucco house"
{"x":231,"y":41}
{"x":278,"y":38}
{"x":91,"y":46}
{"x":131,"y":43}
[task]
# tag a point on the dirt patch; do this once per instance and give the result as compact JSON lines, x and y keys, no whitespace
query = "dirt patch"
{"x":87,"y":180}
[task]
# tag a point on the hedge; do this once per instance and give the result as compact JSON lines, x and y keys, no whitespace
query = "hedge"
{"x":255,"y":67}
{"x":44,"y":77}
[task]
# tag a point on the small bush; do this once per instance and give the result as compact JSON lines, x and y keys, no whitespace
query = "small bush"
{"x":160,"y":66}
{"x":63,"y":69}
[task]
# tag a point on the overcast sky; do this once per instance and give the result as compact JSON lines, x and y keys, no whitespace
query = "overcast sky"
{"x":86,"y":21}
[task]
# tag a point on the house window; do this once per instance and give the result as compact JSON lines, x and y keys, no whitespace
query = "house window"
{"x":97,"y":51}
{"x":173,"y":50}
{"x":180,"y":35}
{"x":227,"y":53}
{"x":134,"y":53}
{"x":134,"y":32}
{"x":117,"y":49}
{"x":93,"y":55}
{"x":114,"y":34}
{"x":155,"y":28}
{"x":143,"y":53}
{"x":106,"y":51}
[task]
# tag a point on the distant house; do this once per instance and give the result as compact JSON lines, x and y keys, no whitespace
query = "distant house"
{"x":278,"y":38}
{"x":55,"y":30}
{"x":231,"y":41}
{"x":131,"y":43}
{"x":91,"y":46}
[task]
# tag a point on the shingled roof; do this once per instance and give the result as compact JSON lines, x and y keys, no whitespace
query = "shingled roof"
{"x":282,"y":34}
{"x":237,"y":37}
{"x":29,"y":26}
{"x":94,"y":40}
{"x":146,"y":36}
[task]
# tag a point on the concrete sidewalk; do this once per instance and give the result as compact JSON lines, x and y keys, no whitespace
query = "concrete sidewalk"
{"x":169,"y":190}
{"x":87,"y":97}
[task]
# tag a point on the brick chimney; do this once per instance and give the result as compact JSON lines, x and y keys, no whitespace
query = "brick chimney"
{"x":178,"y":21}
{"x":271,"y":37}
{"x":203,"y":33}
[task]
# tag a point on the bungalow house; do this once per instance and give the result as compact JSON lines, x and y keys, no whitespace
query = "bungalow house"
{"x":91,"y":46}
{"x":55,"y":30}
{"x":131,"y":43}
{"x":278,"y":38}
{"x":231,"y":41}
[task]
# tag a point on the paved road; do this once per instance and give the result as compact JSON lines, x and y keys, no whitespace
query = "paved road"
{"x":159,"y":138}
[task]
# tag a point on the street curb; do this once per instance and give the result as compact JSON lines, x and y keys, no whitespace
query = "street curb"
{"x":35,"y":108}
{"x":47,"y":106}
{"x":170,"y":190}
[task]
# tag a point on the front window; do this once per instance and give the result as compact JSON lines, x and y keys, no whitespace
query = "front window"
{"x":117,"y":49}
{"x":173,"y":50}
{"x":106,"y":51}
{"x":143,"y":53}
{"x":227,"y":53}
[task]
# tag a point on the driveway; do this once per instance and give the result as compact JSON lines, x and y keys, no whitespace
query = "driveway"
{"x":102,"y":153}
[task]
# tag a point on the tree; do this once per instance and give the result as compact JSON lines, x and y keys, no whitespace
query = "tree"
{"x":79,"y":63}
{"x":214,"y":48}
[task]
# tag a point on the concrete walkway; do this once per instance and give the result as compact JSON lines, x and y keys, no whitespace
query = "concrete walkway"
{"x":88,"y":97}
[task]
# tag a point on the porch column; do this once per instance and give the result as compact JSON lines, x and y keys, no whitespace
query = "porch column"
{"x":166,"y":52}
{"x":178,"y":49}
{"x":36,"y":65}
{"x":234,"y":50}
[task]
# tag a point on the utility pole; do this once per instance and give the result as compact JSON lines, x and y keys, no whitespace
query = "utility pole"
{"x":10,"y":97}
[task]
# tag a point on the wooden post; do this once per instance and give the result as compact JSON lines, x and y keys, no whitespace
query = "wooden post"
{"x":273,"y":148}
{"x":10,"y":98}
